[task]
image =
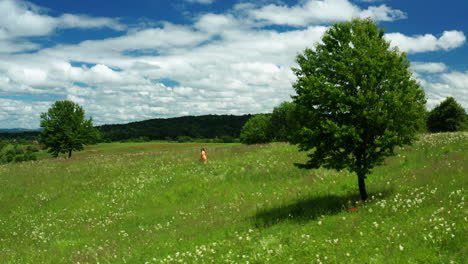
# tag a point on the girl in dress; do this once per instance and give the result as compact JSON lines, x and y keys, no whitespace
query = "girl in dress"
{"x":203,"y":156}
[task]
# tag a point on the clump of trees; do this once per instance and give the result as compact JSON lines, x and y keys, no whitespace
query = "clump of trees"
{"x":448,"y":116}
{"x":281,"y":126}
{"x":256,"y":130}
{"x":284,"y":123}
{"x":207,"y":127}
{"x":65,"y":128}
{"x":16,"y":153}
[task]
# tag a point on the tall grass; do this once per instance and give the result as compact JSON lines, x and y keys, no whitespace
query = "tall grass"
{"x":249,"y":204}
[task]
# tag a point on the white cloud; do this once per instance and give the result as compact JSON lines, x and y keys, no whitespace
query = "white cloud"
{"x":7,"y":46}
{"x":321,"y":11}
{"x":19,"y":114}
{"x":439,"y":86}
{"x":83,"y":21}
{"x":224,"y":63}
{"x":244,"y":71}
{"x":160,"y":40}
{"x":215,"y":23}
{"x":382,"y":13}
{"x":205,"y":2}
{"x":428,"y":42}
{"x":20,"y":19}
{"x":457,"y":80}
{"x":431,"y":67}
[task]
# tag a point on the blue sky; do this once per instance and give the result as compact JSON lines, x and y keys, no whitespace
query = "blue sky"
{"x":133,"y":60}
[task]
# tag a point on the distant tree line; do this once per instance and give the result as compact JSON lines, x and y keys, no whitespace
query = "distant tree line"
{"x":181,"y":129}
{"x":282,"y":125}
{"x":20,"y":137}
{"x":216,"y":128}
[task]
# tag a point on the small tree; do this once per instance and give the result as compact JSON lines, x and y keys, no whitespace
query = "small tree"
{"x":284,"y":123}
{"x":65,"y":128}
{"x":256,"y":130}
{"x":447,"y":116}
{"x":356,"y":100}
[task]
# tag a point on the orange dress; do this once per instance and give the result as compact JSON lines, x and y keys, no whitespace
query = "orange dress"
{"x":203,"y":157}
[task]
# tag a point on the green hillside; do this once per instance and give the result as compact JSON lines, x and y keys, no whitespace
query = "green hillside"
{"x":249,"y":204}
{"x":206,"y":126}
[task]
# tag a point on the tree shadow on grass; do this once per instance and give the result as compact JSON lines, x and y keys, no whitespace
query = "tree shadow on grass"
{"x":309,"y":209}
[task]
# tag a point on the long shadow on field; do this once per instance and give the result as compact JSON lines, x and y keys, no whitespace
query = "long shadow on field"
{"x":309,"y":209}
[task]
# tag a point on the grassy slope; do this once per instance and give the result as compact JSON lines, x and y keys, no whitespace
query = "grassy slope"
{"x":248,"y":204}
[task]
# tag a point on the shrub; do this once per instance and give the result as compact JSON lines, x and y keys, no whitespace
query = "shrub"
{"x":183,"y":139}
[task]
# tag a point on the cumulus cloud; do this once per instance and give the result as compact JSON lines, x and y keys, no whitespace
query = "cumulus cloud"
{"x":14,"y":113}
{"x":431,"y":67}
{"x":382,"y":13}
{"x":205,"y":2}
{"x":21,"y":19}
{"x":84,"y":21}
{"x":370,"y":1}
{"x":428,"y":42}
{"x":440,"y":85}
{"x":226,"y":63}
{"x":9,"y":46}
{"x":244,"y":71}
{"x":457,"y":80}
{"x":321,"y":11}
{"x":216,"y":23}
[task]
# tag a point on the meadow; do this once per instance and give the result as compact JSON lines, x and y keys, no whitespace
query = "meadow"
{"x":135,"y":147}
{"x":249,"y":204}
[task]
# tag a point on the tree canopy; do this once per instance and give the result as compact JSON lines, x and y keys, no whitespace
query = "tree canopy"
{"x":356,"y":99}
{"x":447,"y":116}
{"x":256,"y":130}
{"x":284,"y":124}
{"x":65,"y":128}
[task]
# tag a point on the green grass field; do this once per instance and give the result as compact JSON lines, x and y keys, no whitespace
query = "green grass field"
{"x":134,"y":147}
{"x":249,"y":204}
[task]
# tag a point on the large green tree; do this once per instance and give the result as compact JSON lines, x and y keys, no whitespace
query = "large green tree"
{"x":357,"y":100}
{"x":65,"y":128}
{"x":447,"y":116}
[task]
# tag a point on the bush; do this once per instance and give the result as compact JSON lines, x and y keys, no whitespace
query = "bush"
{"x":18,"y":158}
{"x":256,"y":130}
{"x":31,"y":149}
{"x":183,"y":139}
{"x":29,"y":156}
{"x":15,"y":153}
{"x":448,"y":116}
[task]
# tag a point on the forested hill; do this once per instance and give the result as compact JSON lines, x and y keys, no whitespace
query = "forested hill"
{"x":207,"y":126}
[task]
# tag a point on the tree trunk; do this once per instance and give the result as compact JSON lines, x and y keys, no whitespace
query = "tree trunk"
{"x":362,"y":186}
{"x":69,"y":153}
